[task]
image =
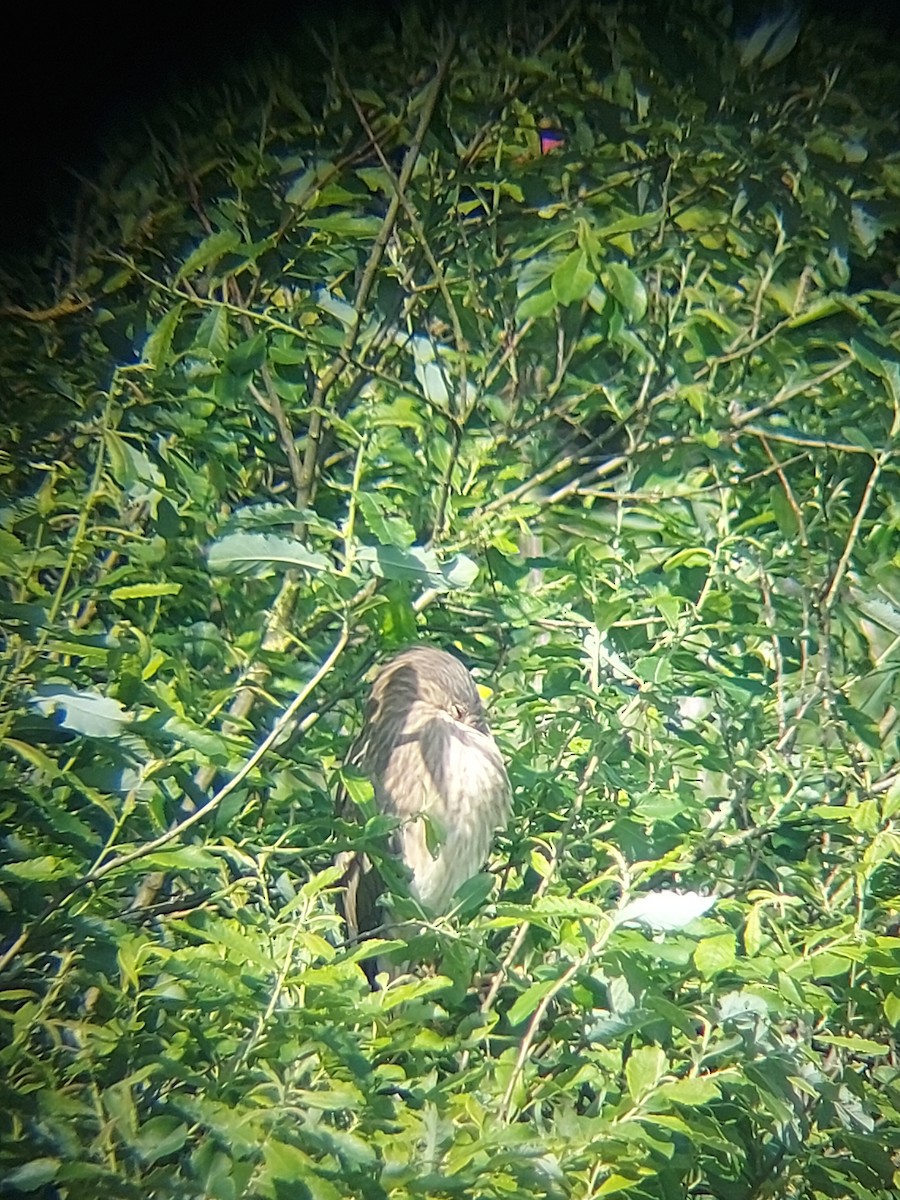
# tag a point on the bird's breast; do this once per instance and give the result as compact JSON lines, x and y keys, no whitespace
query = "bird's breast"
{"x":453,"y":774}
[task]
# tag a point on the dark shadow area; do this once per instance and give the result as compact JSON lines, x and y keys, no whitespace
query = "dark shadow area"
{"x":79,"y":80}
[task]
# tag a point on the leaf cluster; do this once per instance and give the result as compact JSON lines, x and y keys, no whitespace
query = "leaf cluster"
{"x":571,"y":344}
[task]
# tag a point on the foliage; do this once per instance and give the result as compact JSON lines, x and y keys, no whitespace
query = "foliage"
{"x":343,"y":360}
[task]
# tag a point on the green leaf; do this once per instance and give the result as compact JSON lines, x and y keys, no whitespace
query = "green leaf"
{"x":81,"y":711}
{"x":228,"y":936}
{"x":644,"y":1070}
{"x":538,"y":304}
{"x":140,"y":591}
{"x":41,"y":869}
{"x":33,"y":1174}
{"x":625,"y":286}
{"x":379,"y":514}
{"x":715,"y":954}
{"x":856,"y":1045}
{"x":525,"y":1004}
{"x":134,"y":470}
{"x":262,"y":553}
{"x":892,"y":1008}
{"x":459,"y":572}
{"x":616,"y":1183}
{"x":404,"y":993}
{"x":345,"y":225}
{"x":691,"y":1092}
{"x":572,"y":279}
{"x":159,"y":1137}
{"x":771,"y":39}
{"x":184,"y":858}
{"x":305,"y":183}
{"x":247,"y":356}
{"x":214,"y":332}
{"x":210,"y":250}
{"x":158,"y":346}
{"x":287,"y":1164}
{"x":629,"y":224}
{"x":690,"y":556}
{"x":31,"y":754}
{"x":417,"y":565}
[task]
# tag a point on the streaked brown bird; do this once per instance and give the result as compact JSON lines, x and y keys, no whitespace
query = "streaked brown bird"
{"x":428,"y":751}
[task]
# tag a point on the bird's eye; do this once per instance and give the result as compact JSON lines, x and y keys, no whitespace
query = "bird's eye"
{"x":458,"y":712}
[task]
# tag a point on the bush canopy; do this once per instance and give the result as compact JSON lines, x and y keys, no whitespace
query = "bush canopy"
{"x":566,"y":338}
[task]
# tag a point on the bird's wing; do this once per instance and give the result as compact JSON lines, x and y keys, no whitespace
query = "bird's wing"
{"x":361,"y":890}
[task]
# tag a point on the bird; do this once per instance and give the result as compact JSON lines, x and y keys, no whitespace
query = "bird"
{"x":433,"y":764}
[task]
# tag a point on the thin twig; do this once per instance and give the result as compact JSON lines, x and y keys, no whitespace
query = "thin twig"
{"x":329,"y":377}
{"x":100,"y":872}
{"x":509,"y":958}
{"x":789,"y":390}
{"x":831,"y":595}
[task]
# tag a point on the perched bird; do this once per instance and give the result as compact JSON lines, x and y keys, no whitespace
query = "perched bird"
{"x":427,"y":749}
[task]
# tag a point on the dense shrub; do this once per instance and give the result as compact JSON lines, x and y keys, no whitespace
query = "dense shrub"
{"x":335,"y":358}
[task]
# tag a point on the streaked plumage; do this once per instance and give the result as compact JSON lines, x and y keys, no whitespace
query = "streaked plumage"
{"x":426,"y":747}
